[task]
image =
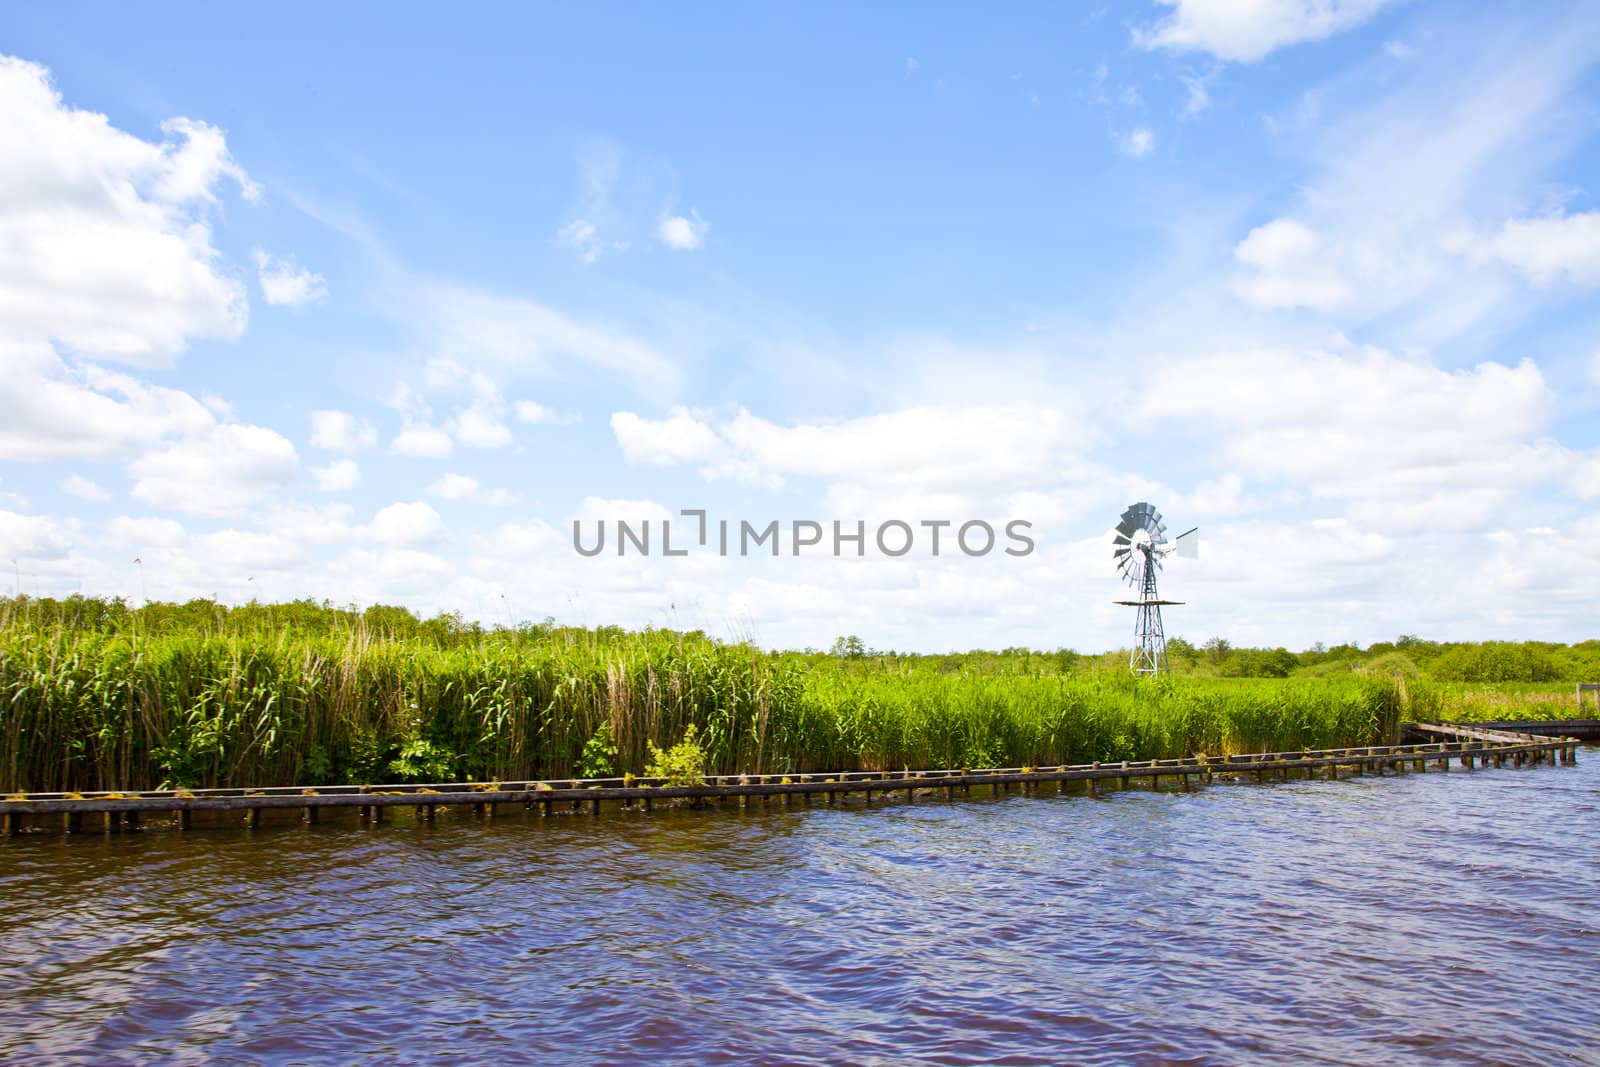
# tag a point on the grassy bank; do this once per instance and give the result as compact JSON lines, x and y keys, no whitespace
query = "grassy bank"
{"x":96,"y":696}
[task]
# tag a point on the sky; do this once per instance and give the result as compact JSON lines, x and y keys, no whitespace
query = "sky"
{"x":374,"y":309}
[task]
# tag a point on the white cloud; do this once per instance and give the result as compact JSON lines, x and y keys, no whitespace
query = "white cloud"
{"x":1137,"y":143}
{"x":685,"y":233}
{"x":218,"y":472}
{"x":454,"y":487}
{"x":1398,"y":50}
{"x":597,"y":224}
{"x":1557,"y":248}
{"x":1371,"y":427}
{"x":287,"y":284}
{"x":930,"y":447}
{"x":408,"y":523}
{"x":1289,"y":268}
{"x":337,"y":477}
{"x":534,"y":412}
{"x":105,"y":245}
{"x":1247,"y":30}
{"x":463,"y":487}
{"x":33,"y":537}
{"x":238,"y":553}
{"x":324,"y":525}
{"x":339,"y":431}
{"x":505,"y":336}
{"x":140,"y":532}
{"x":420,"y":439}
{"x":912,"y":65}
{"x":581,"y":235}
{"x":1198,"y":87}
{"x":55,"y":410}
{"x":477,"y":428}
{"x":681,"y":437}
{"x":82,"y":488}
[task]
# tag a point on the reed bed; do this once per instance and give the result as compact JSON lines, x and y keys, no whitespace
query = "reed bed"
{"x":211,"y":697}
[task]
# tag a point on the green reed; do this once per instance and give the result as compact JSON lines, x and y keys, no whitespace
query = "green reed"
{"x":306,"y":695}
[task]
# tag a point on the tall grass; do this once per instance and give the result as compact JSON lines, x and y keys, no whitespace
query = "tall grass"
{"x":209,"y":697}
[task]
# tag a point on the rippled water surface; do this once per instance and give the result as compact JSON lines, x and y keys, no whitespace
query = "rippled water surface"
{"x":1440,"y":918}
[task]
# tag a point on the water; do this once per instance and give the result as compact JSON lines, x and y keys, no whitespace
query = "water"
{"x":1432,"y":918}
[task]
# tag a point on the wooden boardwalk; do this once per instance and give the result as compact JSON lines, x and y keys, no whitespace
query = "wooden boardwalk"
{"x":1437,"y":747}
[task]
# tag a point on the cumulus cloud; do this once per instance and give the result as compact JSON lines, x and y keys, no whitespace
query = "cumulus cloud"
{"x":130,"y":531}
{"x":105,"y":242}
{"x":683,"y":232}
{"x":1287,"y":268}
{"x":478,"y":427}
{"x":340,"y":431}
{"x":531,"y":411}
{"x":59,"y":410}
{"x":287,"y":284}
{"x":1370,"y":426}
{"x":408,"y":523}
{"x":1249,"y":31}
{"x":1547,"y":250}
{"x":420,"y":439}
{"x":219,"y":472}
{"x":338,"y":476}
{"x":82,"y":488}
{"x":462,"y":487}
{"x":32,"y":537}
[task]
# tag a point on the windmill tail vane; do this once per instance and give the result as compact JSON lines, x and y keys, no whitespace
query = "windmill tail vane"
{"x":1139,"y":547}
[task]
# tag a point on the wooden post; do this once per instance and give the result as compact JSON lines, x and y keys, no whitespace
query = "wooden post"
{"x":377,"y":814}
{"x":184,"y":816}
{"x":313,"y":815}
{"x":544,"y":807}
{"x":1123,"y":781}
{"x":131,"y":818}
{"x":253,"y":819}
{"x":74,"y":822}
{"x":594,"y":806}
{"x":13,"y":823}
{"x":113,"y":822}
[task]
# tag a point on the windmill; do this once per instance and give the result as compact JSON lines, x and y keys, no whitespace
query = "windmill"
{"x":1141,"y":544}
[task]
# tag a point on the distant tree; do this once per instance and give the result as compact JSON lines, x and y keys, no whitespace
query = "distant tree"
{"x":849,"y":648}
{"x":1278,"y":663}
{"x":1217,"y":649}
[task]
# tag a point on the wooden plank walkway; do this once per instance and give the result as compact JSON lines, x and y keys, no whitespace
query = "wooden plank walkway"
{"x":1468,"y":745}
{"x":1582,"y":729}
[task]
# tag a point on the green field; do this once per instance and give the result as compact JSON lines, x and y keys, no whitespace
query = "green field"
{"x":96,"y":695}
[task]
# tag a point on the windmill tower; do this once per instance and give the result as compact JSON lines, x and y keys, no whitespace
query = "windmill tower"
{"x":1141,"y":544}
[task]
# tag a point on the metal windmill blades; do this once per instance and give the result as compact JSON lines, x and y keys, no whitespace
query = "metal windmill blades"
{"x":1139,"y":549}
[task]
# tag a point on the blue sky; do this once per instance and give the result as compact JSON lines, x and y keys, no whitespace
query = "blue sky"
{"x":373,"y":310}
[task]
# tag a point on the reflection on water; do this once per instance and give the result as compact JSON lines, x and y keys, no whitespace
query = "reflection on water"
{"x":1448,"y":918}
